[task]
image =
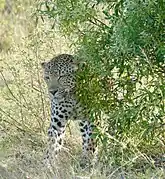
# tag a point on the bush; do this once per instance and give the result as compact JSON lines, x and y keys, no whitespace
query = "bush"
{"x":122,"y":81}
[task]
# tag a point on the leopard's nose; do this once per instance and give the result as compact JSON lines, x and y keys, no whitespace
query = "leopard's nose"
{"x":53,"y":92}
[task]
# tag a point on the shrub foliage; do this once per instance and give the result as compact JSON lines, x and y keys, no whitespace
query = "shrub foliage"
{"x":122,"y":45}
{"x":122,"y":81}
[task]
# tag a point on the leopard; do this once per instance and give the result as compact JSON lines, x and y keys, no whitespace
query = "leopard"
{"x":60,"y":73}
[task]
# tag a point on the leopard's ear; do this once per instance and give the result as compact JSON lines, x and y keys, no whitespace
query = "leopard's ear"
{"x":43,"y":64}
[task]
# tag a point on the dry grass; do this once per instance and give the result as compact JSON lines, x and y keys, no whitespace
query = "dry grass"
{"x":20,"y":161}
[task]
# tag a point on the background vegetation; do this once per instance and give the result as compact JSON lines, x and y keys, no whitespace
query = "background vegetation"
{"x":121,"y":81}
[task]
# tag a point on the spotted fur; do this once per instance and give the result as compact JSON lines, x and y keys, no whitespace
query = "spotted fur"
{"x":60,"y":76}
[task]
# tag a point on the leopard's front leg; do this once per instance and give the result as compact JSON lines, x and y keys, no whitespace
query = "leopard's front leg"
{"x":61,"y":111}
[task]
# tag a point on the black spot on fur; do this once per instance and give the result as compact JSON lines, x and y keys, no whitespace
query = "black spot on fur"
{"x":55,"y":119}
{"x":61,"y":116}
{"x":59,"y":124}
{"x":60,"y":141}
{"x":84,"y":135}
{"x":64,"y":111}
{"x":85,"y":141}
{"x":50,"y":133}
{"x":86,"y":127}
{"x":54,"y":127}
{"x":81,"y":124}
{"x":82,"y":130}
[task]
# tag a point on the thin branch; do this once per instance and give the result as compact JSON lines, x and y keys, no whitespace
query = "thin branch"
{"x":97,"y":20}
{"x":15,"y":99}
{"x":94,"y":23}
{"x":17,"y":126}
{"x":146,"y":57}
{"x":8,"y":86}
{"x":100,"y":22}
